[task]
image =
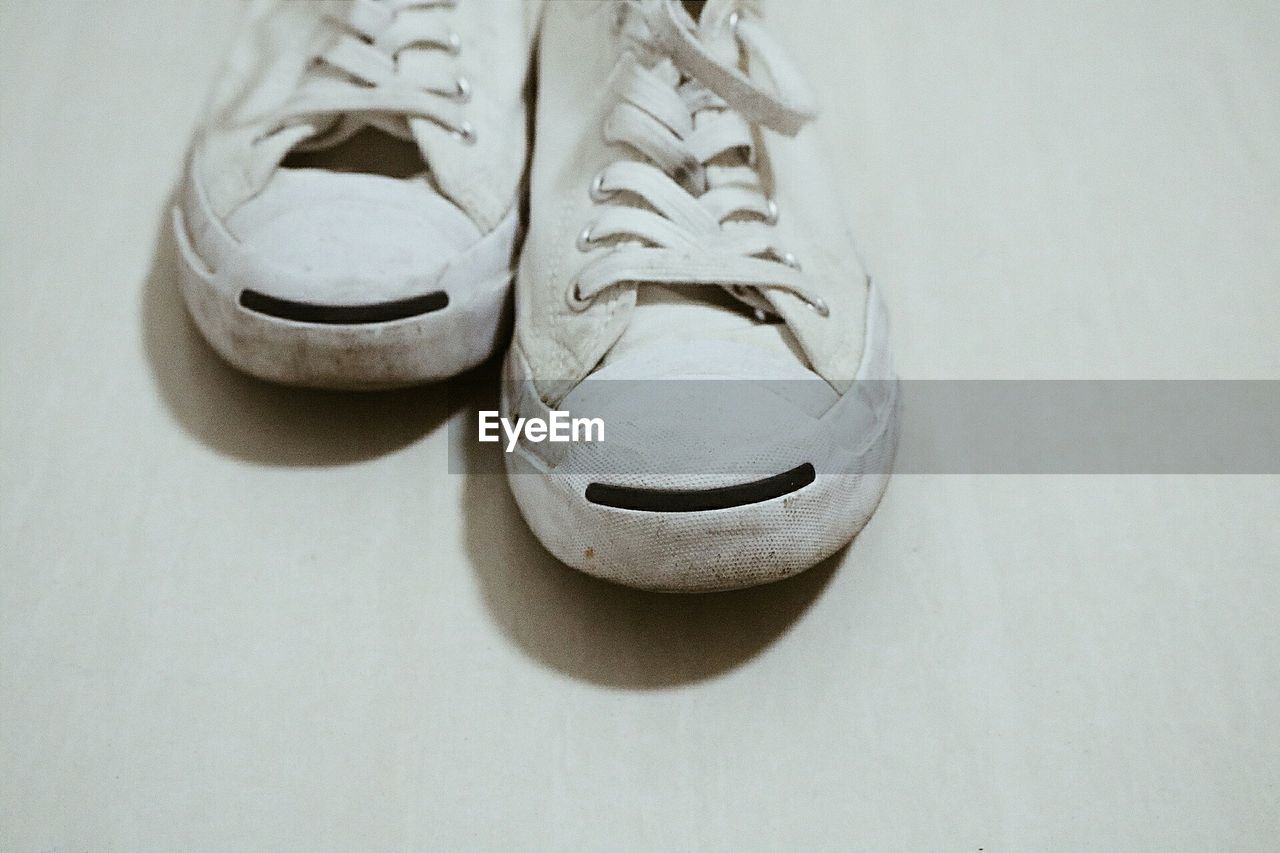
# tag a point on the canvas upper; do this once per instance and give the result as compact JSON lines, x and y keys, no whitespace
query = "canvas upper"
{"x":274,"y":96}
{"x":596,"y":55}
{"x":351,"y":208}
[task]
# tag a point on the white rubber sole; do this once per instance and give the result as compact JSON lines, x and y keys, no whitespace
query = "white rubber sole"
{"x":431,"y":346}
{"x":714,"y":549}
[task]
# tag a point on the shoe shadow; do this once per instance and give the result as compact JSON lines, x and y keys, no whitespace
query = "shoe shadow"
{"x":599,"y":632}
{"x":245,"y":418}
{"x":582,"y":627}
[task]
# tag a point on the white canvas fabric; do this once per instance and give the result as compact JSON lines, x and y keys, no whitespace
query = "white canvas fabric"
{"x":443,"y":79}
{"x":684,"y":227}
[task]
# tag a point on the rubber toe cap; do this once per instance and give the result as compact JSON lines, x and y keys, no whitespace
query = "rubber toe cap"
{"x":346,"y":240}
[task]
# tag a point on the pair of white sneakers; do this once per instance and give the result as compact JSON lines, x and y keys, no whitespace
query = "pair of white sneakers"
{"x":351,"y":219}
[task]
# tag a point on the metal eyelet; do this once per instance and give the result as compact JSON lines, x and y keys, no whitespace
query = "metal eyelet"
{"x":598,"y":193}
{"x":816,"y":303}
{"x":735,"y":18}
{"x":576,"y":300}
{"x":453,"y":43}
{"x":820,"y":305}
{"x":462,"y":91}
{"x":466,"y":133}
{"x":771,"y":212}
{"x":585,"y":240}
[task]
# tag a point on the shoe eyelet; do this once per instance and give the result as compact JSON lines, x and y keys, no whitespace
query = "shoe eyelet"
{"x":576,"y":300}
{"x":453,"y":44}
{"x":598,"y":193}
{"x":585,"y":240}
{"x":817,"y":303}
{"x":735,"y":18}
{"x":462,"y":92}
{"x":466,"y":133}
{"x":771,"y":212}
{"x":791,"y":261}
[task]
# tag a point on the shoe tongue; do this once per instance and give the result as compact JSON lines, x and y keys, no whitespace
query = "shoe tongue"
{"x":667,"y":317}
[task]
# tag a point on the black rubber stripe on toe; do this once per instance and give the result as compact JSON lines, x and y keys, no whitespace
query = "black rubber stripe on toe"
{"x":343,"y":315}
{"x":701,"y":500}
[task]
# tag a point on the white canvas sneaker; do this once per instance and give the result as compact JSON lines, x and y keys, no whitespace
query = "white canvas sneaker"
{"x":689,"y":281}
{"x":350,"y":209}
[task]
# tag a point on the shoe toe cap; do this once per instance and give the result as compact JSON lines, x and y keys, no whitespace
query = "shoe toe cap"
{"x":346,"y":241}
{"x":716,"y":417}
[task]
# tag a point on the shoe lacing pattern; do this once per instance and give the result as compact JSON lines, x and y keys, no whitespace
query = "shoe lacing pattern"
{"x":360,"y":74}
{"x":693,"y":211}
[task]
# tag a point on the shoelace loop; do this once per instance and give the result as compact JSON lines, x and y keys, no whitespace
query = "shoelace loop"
{"x":705,"y":218}
{"x":361,"y":75}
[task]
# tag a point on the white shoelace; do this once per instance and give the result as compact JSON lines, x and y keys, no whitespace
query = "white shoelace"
{"x":705,"y":218}
{"x":393,"y":60}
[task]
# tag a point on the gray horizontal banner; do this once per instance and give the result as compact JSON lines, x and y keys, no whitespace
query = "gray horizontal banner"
{"x":726,"y":429}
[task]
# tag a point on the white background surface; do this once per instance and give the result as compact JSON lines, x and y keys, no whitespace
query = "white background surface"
{"x":235,"y":616}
